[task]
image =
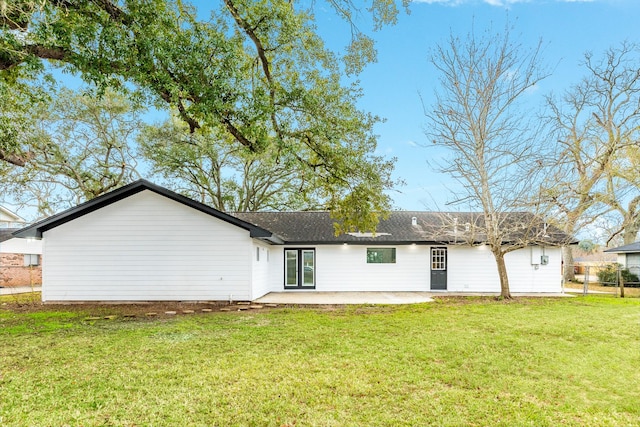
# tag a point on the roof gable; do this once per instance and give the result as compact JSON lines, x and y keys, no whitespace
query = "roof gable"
{"x":121,"y":193}
{"x":7,"y":216}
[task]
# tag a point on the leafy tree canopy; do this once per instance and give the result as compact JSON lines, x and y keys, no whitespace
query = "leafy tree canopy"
{"x":255,"y":70}
{"x":587,"y":246}
{"x":208,"y":167}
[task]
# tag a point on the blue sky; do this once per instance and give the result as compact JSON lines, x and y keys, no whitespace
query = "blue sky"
{"x":393,"y":86}
{"x":568,"y":28}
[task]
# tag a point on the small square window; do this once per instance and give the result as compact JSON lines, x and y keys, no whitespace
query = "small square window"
{"x":381,"y":255}
{"x":31,"y":260}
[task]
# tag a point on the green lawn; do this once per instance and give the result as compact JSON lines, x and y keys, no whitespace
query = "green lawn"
{"x":475,"y":361}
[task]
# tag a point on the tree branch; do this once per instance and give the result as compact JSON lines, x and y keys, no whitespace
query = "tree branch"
{"x":15,"y":159}
{"x":114,"y":11}
{"x":40,"y":51}
{"x":264,"y":61}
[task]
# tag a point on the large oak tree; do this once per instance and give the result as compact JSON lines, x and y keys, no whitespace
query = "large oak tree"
{"x":255,"y":70}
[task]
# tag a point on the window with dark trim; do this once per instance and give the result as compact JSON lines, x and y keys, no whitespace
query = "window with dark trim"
{"x":381,"y":255}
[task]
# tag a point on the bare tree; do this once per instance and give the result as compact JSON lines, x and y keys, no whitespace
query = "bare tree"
{"x":493,"y":150}
{"x":626,"y":206}
{"x":623,"y":192}
{"x":597,"y":126}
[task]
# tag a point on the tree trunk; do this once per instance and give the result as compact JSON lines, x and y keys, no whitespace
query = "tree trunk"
{"x":630,"y":233}
{"x":502,"y":272}
{"x":567,"y":260}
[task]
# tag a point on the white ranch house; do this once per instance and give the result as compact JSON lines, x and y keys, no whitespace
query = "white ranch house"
{"x":143,"y":242}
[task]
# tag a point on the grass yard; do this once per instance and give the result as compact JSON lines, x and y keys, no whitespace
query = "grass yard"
{"x":458,"y":361}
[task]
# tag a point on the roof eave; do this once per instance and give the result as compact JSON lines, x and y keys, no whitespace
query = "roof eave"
{"x":265,"y":235}
{"x":15,"y":216}
{"x":631,"y":247}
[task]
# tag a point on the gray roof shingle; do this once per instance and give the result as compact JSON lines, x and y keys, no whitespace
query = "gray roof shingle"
{"x":633,"y":247}
{"x":7,"y":233}
{"x":431,"y":227}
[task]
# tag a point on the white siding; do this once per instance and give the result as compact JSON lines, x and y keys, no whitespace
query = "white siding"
{"x":473,"y":269}
{"x":632,"y":262}
{"x":525,"y":277}
{"x":143,"y":248}
{"x":21,"y":246}
{"x":470,"y":269}
{"x":345,"y":268}
{"x":260,"y":269}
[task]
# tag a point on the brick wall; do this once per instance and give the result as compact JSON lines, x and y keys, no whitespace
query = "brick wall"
{"x":14,"y":273}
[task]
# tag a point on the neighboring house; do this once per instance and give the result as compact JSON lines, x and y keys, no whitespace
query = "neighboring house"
{"x":19,"y":260}
{"x":628,"y":257}
{"x":143,"y":242}
{"x":9,"y":219}
{"x":595,"y":261}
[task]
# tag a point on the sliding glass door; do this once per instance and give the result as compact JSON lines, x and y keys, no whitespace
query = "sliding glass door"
{"x":300,"y":271}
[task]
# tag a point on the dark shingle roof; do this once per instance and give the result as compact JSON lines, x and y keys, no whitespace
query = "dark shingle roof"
{"x":317,"y":227}
{"x":431,"y":227}
{"x":633,"y":247}
{"x":7,"y":233}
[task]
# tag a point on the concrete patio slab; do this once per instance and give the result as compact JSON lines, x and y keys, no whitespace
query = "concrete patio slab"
{"x":340,"y":298}
{"x":323,"y":298}
{"x":20,"y":290}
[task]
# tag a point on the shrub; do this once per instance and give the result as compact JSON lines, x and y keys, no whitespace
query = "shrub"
{"x":608,"y":276}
